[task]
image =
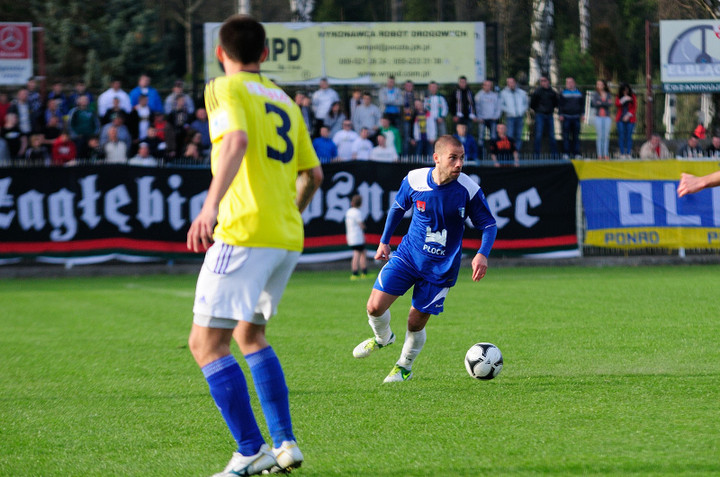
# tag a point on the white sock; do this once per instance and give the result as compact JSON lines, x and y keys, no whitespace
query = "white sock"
{"x":414,"y":342}
{"x":381,"y":326}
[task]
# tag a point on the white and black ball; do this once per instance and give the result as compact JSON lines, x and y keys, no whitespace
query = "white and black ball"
{"x":483,"y":361}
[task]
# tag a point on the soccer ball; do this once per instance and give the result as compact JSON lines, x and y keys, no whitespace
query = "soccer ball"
{"x":483,"y":361}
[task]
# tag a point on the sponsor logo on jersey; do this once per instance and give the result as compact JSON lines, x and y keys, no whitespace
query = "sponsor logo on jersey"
{"x":439,"y":238}
{"x":420,"y":205}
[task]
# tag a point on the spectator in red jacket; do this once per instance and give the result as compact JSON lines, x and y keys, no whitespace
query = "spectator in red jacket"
{"x":626,"y":104}
{"x":63,"y":149}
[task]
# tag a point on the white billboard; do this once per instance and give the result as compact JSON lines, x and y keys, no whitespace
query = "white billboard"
{"x":690,"y":55}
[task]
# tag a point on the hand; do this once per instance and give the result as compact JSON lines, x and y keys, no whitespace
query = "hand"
{"x":479,"y":267}
{"x":199,"y":237}
{"x":689,"y":184}
{"x":383,"y":252}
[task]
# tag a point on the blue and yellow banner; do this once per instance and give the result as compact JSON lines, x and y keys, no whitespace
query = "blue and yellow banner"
{"x":634,"y":204}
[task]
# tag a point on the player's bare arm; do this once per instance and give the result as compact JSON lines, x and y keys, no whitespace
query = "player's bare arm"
{"x":232,"y":150}
{"x":307,"y":183}
{"x":690,"y":184}
{"x":383,"y":252}
{"x":479,"y":267}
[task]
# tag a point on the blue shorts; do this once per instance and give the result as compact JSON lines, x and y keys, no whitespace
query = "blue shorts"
{"x":396,"y":277}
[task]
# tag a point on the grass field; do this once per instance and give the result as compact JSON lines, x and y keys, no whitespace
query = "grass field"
{"x":610,"y":371}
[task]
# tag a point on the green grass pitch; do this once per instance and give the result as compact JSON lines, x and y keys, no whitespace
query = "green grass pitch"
{"x":608,"y":371}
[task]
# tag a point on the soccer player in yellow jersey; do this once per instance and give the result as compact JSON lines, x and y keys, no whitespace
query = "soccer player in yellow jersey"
{"x":265,"y":172}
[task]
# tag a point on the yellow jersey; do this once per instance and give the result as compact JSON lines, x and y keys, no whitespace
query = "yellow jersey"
{"x":259,"y":208}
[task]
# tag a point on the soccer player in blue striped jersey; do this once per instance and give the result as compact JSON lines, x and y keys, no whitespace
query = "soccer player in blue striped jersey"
{"x":428,"y":257}
{"x":265,"y":172}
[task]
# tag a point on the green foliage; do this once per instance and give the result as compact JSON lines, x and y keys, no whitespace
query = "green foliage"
{"x":575,"y":63}
{"x":608,"y":371}
{"x":351,"y":10}
{"x":96,"y":42}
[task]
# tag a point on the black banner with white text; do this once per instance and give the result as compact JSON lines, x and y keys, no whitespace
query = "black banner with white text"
{"x":92,"y":210}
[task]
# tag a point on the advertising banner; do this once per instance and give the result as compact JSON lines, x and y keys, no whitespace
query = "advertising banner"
{"x":690,"y":56}
{"x":366,"y":53}
{"x":86,"y":210}
{"x":632,"y":204}
{"x":16,"y":53}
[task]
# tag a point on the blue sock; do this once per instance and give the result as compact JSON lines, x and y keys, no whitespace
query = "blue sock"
{"x":229,"y":390}
{"x":273,"y":393}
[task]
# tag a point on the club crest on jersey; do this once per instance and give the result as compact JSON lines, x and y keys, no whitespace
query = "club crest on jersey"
{"x":420,"y":205}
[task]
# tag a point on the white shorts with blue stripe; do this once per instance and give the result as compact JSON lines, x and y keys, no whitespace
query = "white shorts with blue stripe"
{"x":241,"y":284}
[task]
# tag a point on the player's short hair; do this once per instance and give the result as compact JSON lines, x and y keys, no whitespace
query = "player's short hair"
{"x":242,"y":38}
{"x":445,"y":141}
{"x":356,"y":200}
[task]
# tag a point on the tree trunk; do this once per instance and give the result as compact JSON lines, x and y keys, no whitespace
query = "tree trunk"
{"x":396,"y":10}
{"x":190,"y":66}
{"x":543,"y":61}
{"x":584,"y":10}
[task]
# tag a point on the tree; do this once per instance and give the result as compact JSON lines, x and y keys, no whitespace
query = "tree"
{"x":183,"y":13}
{"x":95,"y":42}
{"x":575,"y":63}
{"x":584,"y":16}
{"x":542,"y":57}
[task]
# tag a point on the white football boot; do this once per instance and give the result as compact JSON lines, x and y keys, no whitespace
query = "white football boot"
{"x":249,"y":465}
{"x":288,"y":457}
{"x":364,"y":349}
{"x":398,"y":374}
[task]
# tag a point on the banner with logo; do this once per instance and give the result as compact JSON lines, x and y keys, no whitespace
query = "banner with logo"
{"x":633,"y":204}
{"x":690,"y":56}
{"x":366,"y":53}
{"x":85,"y":210}
{"x":16,"y":53}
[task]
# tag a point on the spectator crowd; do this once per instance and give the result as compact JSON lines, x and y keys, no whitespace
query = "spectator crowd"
{"x":139,"y":127}
{"x":118,"y":127}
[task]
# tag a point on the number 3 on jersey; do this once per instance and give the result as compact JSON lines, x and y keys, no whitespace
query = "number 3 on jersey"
{"x":282,"y":131}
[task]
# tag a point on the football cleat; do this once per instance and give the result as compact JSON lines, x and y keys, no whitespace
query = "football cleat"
{"x":398,"y":375}
{"x":288,"y":457}
{"x":364,"y":349}
{"x":249,"y":465}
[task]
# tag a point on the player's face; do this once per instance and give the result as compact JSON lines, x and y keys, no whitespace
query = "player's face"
{"x":449,"y":163}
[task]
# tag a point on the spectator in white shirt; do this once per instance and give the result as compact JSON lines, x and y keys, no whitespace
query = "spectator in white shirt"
{"x":322,"y":100}
{"x":171,"y":100}
{"x":143,"y":157}
{"x":105,"y":100}
{"x":487,"y":104}
{"x":437,"y":105}
{"x":115,"y":150}
{"x":382,"y":152}
{"x":366,"y":115}
{"x":362,"y":146}
{"x":514,"y":105}
{"x":344,"y":140}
